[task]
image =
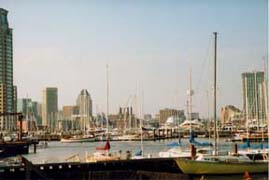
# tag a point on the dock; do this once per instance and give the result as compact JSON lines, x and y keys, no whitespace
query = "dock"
{"x":19,"y":146}
{"x":154,"y":168}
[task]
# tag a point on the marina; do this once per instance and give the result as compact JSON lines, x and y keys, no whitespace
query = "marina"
{"x":134,"y":90}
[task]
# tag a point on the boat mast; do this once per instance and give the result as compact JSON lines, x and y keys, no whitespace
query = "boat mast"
{"x":208,"y":115}
{"x":107,"y":100}
{"x":256,"y":101}
{"x":214,"y":92}
{"x":190,"y":95}
{"x":141,"y":122}
{"x":189,"y":102}
{"x":266,"y":90}
{"x":247,"y":119}
{"x":263,"y":88}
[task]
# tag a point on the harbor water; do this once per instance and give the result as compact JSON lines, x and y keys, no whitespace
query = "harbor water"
{"x":59,"y":152}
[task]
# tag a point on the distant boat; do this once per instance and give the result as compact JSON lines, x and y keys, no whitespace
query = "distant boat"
{"x":78,"y":139}
{"x":182,"y":153}
{"x":101,"y":156}
{"x":197,"y":143}
{"x":175,"y":152}
{"x":105,"y":147}
{"x":128,"y":137}
{"x":138,"y":155}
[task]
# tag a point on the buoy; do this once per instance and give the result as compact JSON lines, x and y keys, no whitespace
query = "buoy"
{"x":247,"y":176}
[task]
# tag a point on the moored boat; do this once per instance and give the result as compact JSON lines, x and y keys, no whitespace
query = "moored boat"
{"x":78,"y":139}
{"x":222,"y":165}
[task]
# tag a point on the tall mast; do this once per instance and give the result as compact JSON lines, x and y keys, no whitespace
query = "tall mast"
{"x":265,"y":95}
{"x":208,"y":114}
{"x":256,"y":101}
{"x":107,"y":100}
{"x":141,"y":121}
{"x":246,"y":92}
{"x":214,"y":92}
{"x":137,"y":103}
{"x":190,"y":95}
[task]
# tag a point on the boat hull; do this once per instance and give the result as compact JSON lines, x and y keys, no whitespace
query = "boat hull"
{"x":8,"y":149}
{"x":80,"y":140}
{"x":202,"y":167}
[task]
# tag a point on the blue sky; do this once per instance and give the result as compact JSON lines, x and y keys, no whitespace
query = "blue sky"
{"x":68,"y":44}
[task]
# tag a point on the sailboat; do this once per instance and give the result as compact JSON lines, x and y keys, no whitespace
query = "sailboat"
{"x":79,"y":138}
{"x":140,"y":153}
{"x":216,"y":163}
{"x":102,"y":152}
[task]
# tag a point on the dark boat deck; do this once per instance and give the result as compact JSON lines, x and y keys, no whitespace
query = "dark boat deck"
{"x":156,"y":168}
{"x":14,"y":148}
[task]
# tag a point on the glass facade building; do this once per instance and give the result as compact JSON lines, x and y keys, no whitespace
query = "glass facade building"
{"x":50,"y":107}
{"x":84,"y":104}
{"x":253,"y":95}
{"x":7,"y":90}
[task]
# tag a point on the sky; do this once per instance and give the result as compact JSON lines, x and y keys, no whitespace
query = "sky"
{"x":149,"y":45}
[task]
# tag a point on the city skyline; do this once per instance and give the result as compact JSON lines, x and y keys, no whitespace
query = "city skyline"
{"x":154,"y":44}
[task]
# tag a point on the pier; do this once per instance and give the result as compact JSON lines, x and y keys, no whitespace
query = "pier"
{"x":20,"y":146}
{"x":155,"y":168}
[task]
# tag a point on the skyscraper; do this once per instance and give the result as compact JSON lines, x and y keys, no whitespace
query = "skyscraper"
{"x":8,"y":91}
{"x":84,"y":104}
{"x":253,"y":95}
{"x":23,"y":105}
{"x":29,"y":110}
{"x":49,"y":107}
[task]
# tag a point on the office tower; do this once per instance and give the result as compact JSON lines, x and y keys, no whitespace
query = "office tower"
{"x":23,"y":105}
{"x":253,"y":96}
{"x":8,"y":91}
{"x":50,"y":107}
{"x":29,"y":109}
{"x":84,"y":104}
{"x":36,"y":112}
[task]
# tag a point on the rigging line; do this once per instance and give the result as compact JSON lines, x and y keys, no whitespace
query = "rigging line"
{"x":203,"y":65}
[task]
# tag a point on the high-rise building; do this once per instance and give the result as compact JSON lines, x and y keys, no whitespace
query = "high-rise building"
{"x":29,"y":109}
{"x":50,"y":107}
{"x":84,"y":104}
{"x":8,"y":92}
{"x":68,"y":111}
{"x":36,"y":112}
{"x":253,"y":95}
{"x":23,"y":105}
{"x":39,"y":113}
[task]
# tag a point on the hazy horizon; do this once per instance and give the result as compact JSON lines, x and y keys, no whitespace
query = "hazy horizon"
{"x":67,"y":45}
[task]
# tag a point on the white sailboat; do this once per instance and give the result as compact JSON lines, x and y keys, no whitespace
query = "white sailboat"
{"x":84,"y":137}
{"x":222,"y":164}
{"x":103,"y":153}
